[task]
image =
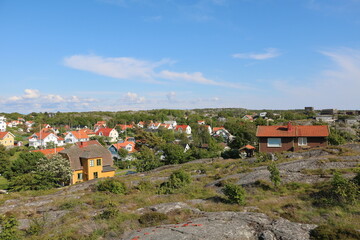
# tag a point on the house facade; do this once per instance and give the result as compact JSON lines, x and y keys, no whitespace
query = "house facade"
{"x":88,"y":162}
{"x":7,"y":139}
{"x":44,"y":138}
{"x":76,"y":136}
{"x":111,"y":133}
{"x":183,"y":128}
{"x":2,"y":124}
{"x":291,"y":138}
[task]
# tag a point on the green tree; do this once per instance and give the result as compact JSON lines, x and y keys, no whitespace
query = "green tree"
{"x":146,"y":160}
{"x":342,"y":190}
{"x":274,"y":174}
{"x":235,"y":193}
{"x":174,"y":154}
{"x":55,"y":170}
{"x":25,"y":163}
{"x":4,"y":159}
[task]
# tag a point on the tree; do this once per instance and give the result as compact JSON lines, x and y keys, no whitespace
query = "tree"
{"x":4,"y":159}
{"x":56,"y":170}
{"x":147,"y":160}
{"x":174,"y":154}
{"x":235,"y":193}
{"x":25,"y":163}
{"x":274,"y":174}
{"x":8,"y":226}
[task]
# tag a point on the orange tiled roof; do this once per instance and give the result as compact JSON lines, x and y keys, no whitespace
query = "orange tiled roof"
{"x":181,"y":126}
{"x":85,"y":144}
{"x":80,"y":134}
{"x":124,"y":144}
{"x":49,"y":151}
{"x":105,"y":131}
{"x":293,"y":131}
{"x":124,"y":126}
{"x":218,"y":128}
{"x":3,"y":134}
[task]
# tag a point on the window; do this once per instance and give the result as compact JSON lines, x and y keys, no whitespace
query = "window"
{"x":91,"y":163}
{"x":96,"y":175}
{"x":98,"y":162}
{"x":302,"y":141}
{"x":274,"y":142}
{"x":80,"y":176}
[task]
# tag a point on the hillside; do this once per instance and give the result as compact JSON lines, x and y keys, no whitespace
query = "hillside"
{"x":198,"y":210}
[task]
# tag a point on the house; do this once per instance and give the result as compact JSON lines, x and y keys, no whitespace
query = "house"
{"x":44,"y":138}
{"x":222,"y":132}
{"x":329,"y":112}
{"x":88,"y":131}
{"x":99,"y":124}
{"x":50,"y":151}
{"x":89,"y":162}
{"x":141,"y":124}
{"x":29,"y":125}
{"x":248,"y":118}
{"x":123,"y":127}
{"x":172,"y":123}
{"x":111,"y":133}
{"x":325,"y":118}
{"x":7,"y":139}
{"x":128,"y":146}
{"x":291,"y":138}
{"x":76,"y":136}
{"x":166,"y":126}
{"x":207,"y":127}
{"x":183,"y":128}
{"x":201,"y":122}
{"x":2,"y":124}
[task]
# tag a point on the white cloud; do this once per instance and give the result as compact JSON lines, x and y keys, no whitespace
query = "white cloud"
{"x":133,"y":98}
{"x":125,"y":68}
{"x":33,"y":100}
{"x":337,"y":87}
{"x":269,"y":53}
{"x":171,"y":96}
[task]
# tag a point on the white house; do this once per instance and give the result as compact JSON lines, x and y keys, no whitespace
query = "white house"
{"x":172,"y":123}
{"x":76,"y":136}
{"x":2,"y":124}
{"x":45,"y":138}
{"x":111,"y":133}
{"x":183,"y":128}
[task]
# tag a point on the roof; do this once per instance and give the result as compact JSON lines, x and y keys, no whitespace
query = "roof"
{"x":91,"y":151}
{"x":292,"y":131}
{"x":181,"y":126}
{"x":43,"y":135}
{"x":88,"y":143}
{"x":3,"y":134}
{"x":124,"y":126}
{"x":124,"y":144}
{"x":49,"y":151}
{"x":247,"y":147}
{"x":105,"y":131}
{"x":79,"y":134}
{"x":215,"y":129}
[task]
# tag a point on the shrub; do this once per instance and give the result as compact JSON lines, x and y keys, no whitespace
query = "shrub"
{"x":274,"y":174}
{"x":325,"y":232}
{"x":111,"y":185}
{"x":152,"y":219}
{"x":235,"y":193}
{"x":108,"y":213}
{"x":263,"y":157}
{"x":343,"y":190}
{"x":177,"y":180}
{"x":145,"y":185}
{"x":8,"y":225}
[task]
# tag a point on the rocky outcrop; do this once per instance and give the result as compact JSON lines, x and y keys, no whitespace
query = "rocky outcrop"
{"x":227,"y":225}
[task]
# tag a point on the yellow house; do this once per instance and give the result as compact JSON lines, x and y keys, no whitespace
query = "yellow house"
{"x":7,"y":139}
{"x":89,"y":161}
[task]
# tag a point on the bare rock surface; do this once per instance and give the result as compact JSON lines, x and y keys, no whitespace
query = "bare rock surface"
{"x":227,"y":225}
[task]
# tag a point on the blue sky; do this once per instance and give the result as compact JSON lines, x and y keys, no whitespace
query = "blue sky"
{"x":113,"y":55}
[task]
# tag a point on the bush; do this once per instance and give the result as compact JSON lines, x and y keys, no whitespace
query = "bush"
{"x":274,"y":174}
{"x":144,"y":186}
{"x":343,"y":190}
{"x":8,"y":226}
{"x":111,"y":185}
{"x":177,"y":180}
{"x":263,"y":157}
{"x":325,"y":232}
{"x":152,"y":219}
{"x":109,"y":213}
{"x":235,"y":193}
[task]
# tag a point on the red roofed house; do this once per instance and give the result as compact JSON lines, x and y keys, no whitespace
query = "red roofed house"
{"x":108,"y":132}
{"x":291,"y":138}
{"x":99,"y":124}
{"x":7,"y":139}
{"x":123,"y":127}
{"x":44,"y":138}
{"x":183,"y":128}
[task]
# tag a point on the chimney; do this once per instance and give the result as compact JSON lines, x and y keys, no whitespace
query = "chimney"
{"x":289,"y":126}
